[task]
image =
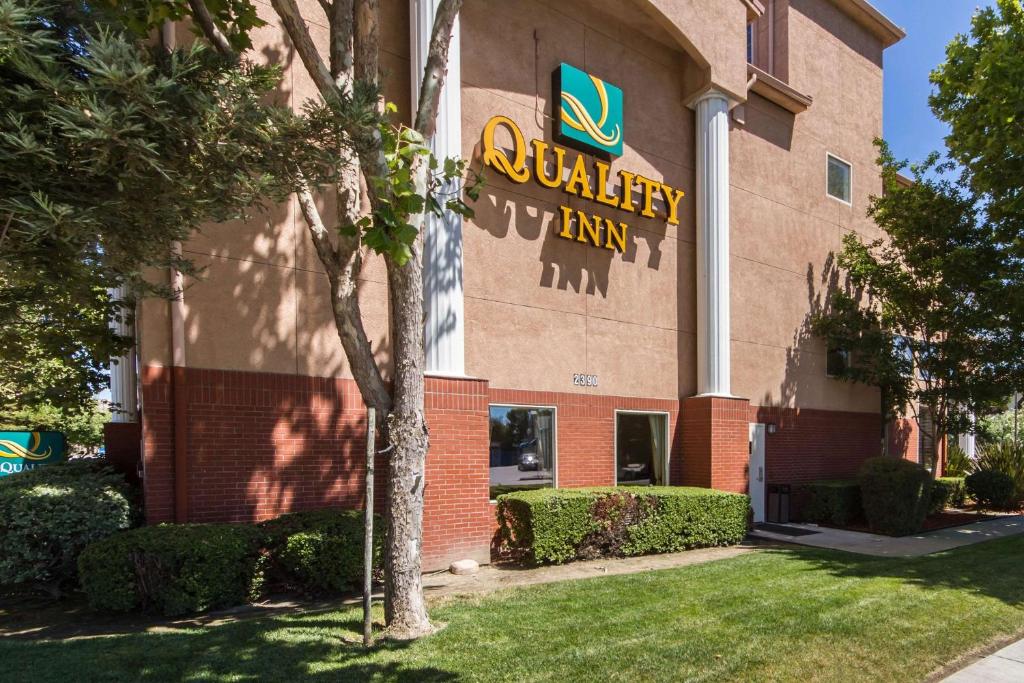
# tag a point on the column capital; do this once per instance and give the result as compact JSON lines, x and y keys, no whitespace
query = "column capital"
{"x":710,"y":92}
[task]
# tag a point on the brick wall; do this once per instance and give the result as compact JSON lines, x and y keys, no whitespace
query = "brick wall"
{"x":716,"y":436}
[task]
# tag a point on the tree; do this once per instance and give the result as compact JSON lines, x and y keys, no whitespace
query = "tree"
{"x":923,"y":315}
{"x":110,"y":149}
{"x":389,"y":169}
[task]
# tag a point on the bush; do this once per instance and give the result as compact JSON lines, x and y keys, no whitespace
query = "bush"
{"x":830,"y":502}
{"x":957,"y":462}
{"x":174,"y":568}
{"x":320,"y":551}
{"x":990,"y":489}
{"x":948,"y":492}
{"x":559,"y":525}
{"x":49,"y":514}
{"x":1006,"y":456}
{"x":896,"y":495}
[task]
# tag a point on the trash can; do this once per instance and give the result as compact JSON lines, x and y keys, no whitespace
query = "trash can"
{"x":778,"y":503}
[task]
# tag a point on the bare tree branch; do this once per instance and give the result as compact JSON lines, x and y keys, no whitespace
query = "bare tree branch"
{"x":436,"y":67}
{"x":342,"y":273}
{"x":341,"y":22}
{"x":201,"y":15}
{"x":367,"y":41}
{"x":297,"y":30}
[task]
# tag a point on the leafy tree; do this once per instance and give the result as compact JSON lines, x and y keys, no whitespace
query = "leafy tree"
{"x":82,"y":426}
{"x":110,"y":150}
{"x":923,"y":312}
{"x":387,"y":168}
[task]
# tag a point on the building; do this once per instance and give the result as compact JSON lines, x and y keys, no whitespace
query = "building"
{"x":640,"y":316}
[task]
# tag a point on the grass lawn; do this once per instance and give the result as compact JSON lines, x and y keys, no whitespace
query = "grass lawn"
{"x":790,"y":614}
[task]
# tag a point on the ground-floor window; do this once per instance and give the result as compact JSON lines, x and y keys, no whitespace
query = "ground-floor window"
{"x":641,"y":449}
{"x":522,"y":448}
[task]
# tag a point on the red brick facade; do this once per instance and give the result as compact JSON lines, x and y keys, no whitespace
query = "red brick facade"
{"x":259,"y":445}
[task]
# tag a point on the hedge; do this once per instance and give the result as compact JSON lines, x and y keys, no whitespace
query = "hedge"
{"x":51,"y":513}
{"x":831,"y":502}
{"x":896,"y":495}
{"x":320,"y":551}
{"x":991,"y":489}
{"x":559,"y":525}
{"x":948,"y":492}
{"x":174,"y":569}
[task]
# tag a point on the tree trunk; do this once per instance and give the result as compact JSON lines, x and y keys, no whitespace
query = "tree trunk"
{"x":404,"y":608}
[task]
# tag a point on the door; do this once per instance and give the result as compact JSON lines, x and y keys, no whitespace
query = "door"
{"x":756,"y":471}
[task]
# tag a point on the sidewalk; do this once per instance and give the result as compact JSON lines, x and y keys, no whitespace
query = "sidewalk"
{"x":889,"y":546}
{"x":1005,"y":665}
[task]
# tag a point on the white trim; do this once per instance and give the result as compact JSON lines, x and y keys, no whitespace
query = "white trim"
{"x":554,"y":425}
{"x":615,"y":439}
{"x":848,"y":165}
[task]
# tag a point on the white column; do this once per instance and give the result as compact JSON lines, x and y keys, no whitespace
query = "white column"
{"x":442,"y":267}
{"x":123,"y":373}
{"x":713,"y":367}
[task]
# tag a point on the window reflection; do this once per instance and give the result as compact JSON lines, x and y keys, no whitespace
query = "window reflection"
{"x":522,"y":448}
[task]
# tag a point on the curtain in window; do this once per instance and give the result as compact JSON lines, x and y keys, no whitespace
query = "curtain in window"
{"x":657,"y":449}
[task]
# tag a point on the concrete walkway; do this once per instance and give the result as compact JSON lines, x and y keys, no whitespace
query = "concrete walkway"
{"x":903,"y":546}
{"x":1006,"y":665}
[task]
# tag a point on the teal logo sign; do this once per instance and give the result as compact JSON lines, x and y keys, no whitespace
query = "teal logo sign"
{"x":589,"y":112}
{"x":28,"y":450}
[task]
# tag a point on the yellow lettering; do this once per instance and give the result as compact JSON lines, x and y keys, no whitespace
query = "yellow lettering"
{"x":626,"y":198}
{"x":566,"y":233}
{"x":616,"y":233}
{"x":578,"y":183}
{"x":516,"y":170}
{"x":602,"y":185}
{"x":586,"y":228}
{"x":649,"y":185}
{"x":672,"y":198}
{"x":539,"y":149}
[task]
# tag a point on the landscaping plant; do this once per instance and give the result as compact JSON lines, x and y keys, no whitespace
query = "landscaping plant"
{"x":896,"y":495}
{"x":48,"y":515}
{"x":1005,"y":456}
{"x":948,"y":492}
{"x":560,"y":525}
{"x":318,"y":551}
{"x":833,"y":502}
{"x":958,"y":464}
{"x":990,"y":489}
{"x":174,"y":569}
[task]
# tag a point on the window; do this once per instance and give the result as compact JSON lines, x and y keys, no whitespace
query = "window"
{"x":641,"y":450}
{"x":839,"y":179}
{"x":522,"y":448}
{"x":925,"y":437}
{"x":837,"y":361}
{"x":750,"y":43}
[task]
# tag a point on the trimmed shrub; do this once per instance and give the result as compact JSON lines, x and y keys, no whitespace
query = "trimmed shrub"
{"x":174,"y":569}
{"x":948,"y":492}
{"x":831,"y":502}
{"x":990,"y":489}
{"x":559,"y":525}
{"x":320,"y":551}
{"x":896,"y":495}
{"x":49,"y":514}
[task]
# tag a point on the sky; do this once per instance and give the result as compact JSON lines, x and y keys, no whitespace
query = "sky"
{"x":909,"y":126}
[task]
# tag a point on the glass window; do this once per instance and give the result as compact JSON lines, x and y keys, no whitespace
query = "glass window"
{"x":522,"y":448}
{"x":750,"y":43}
{"x":839,"y":175}
{"x":836,"y":362}
{"x":641,"y":454}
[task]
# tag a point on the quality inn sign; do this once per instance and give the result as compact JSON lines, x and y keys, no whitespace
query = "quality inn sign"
{"x":589,"y":117}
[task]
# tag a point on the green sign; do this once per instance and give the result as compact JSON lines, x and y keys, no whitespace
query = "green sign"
{"x":589,"y":115}
{"x":28,"y":450}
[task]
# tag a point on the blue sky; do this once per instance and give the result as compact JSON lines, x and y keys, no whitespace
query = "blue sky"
{"x":930,"y":24}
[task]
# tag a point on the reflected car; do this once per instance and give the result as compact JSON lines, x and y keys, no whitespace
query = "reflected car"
{"x":529,"y":459}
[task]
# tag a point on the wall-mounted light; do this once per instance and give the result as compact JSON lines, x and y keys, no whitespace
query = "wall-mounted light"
{"x":772,"y":428}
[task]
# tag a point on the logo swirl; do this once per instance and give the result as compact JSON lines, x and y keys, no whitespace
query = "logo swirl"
{"x":576,"y":115}
{"x":10,"y":449}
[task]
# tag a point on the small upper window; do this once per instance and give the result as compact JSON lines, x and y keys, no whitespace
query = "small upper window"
{"x":750,"y":43}
{"x":837,"y":362}
{"x":839,"y":176}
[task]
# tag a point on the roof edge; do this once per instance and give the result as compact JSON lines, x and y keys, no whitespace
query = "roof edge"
{"x":868,"y":16}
